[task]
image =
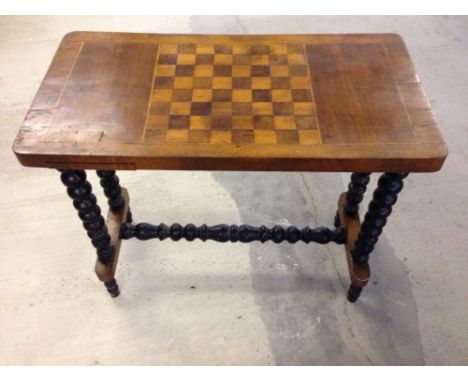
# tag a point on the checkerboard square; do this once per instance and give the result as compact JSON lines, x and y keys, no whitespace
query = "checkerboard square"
{"x":220,"y":137}
{"x":224,"y":49}
{"x":262,"y":108}
{"x":202,"y":95}
{"x":242,"y":122}
{"x":183,"y":83}
{"x":294,"y":49}
{"x":303,"y":108}
{"x":240,"y":49}
{"x":160,"y":108}
{"x":158,"y":122}
{"x":200,"y":122}
{"x":241,"y":59}
{"x":306,"y":123}
{"x":167,"y":59}
{"x":203,"y":71}
{"x":280,"y":83}
{"x":280,"y":71}
{"x":301,"y":95}
{"x":285,"y":122}
{"x":242,"y":108}
{"x":222,"y":71}
{"x":221,"y":123}
{"x":199,"y":136}
{"x":265,"y":136}
{"x":181,"y":95}
{"x":242,"y":95}
{"x":309,"y":137}
{"x":300,"y":83}
{"x":165,"y":70}
{"x":279,"y":59}
{"x":184,"y":70}
{"x":201,"y":108}
{"x":203,"y":82}
{"x":260,"y":59}
{"x":221,"y":109}
{"x":163,"y":82}
{"x":180,"y":108}
{"x":261,"y":95}
{"x":204,"y":59}
{"x":241,"y":83}
{"x":263,"y":122}
{"x":283,"y":108}
{"x":241,"y":71}
{"x":162,"y":95}
{"x":222,"y":95}
{"x":222,"y":83}
{"x":259,"y":49}
{"x":260,"y":71}
{"x":204,"y":49}
{"x":287,"y":137}
{"x":223,"y":59}
{"x":186,"y":59}
{"x":261,"y":83}
{"x":243,"y":136}
{"x":298,"y":70}
{"x":281,"y":95}
{"x":179,"y":122}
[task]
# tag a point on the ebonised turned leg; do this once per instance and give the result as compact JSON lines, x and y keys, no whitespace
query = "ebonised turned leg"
{"x":385,"y":196}
{"x":113,"y":191}
{"x":84,"y":201}
{"x":356,"y":189}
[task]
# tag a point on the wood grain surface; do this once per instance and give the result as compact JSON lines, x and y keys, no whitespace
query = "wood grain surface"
{"x":212,"y":102}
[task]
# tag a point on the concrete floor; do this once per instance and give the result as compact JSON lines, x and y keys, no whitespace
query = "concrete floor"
{"x":252,"y":304}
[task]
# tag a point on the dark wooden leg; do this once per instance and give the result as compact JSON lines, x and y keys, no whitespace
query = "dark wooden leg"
{"x":113,"y":191}
{"x":356,"y":189}
{"x":385,"y":196}
{"x":84,"y":201}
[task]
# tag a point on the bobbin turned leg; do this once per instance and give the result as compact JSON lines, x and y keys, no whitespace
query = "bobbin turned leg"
{"x":356,"y":189}
{"x":84,"y":201}
{"x":110,"y":183}
{"x":385,"y":196}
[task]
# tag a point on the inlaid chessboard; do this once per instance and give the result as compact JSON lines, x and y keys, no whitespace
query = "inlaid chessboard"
{"x":341,"y":102}
{"x":206,"y":93}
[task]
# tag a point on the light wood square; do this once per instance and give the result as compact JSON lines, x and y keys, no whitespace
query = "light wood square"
{"x":241,"y":70}
{"x":180,"y":108}
{"x":242,"y":95}
{"x":162,"y":95}
{"x":262,"y":108}
{"x":200,"y":122}
{"x":183,"y":83}
{"x":265,"y":136}
{"x":279,"y":71}
{"x":304,"y":108}
{"x":221,"y":137}
{"x":165,"y":70}
{"x":203,"y":70}
{"x":285,"y":122}
{"x":223,"y":59}
{"x":261,"y":83}
{"x":309,"y":137}
{"x":186,"y":59}
{"x":222,"y":83}
{"x":202,"y":95}
{"x":281,"y":95}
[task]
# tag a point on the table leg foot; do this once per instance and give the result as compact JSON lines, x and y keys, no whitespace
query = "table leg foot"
{"x":112,"y":287}
{"x":354,"y":292}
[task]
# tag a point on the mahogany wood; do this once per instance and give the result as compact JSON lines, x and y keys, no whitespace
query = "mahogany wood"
{"x":211,"y":102}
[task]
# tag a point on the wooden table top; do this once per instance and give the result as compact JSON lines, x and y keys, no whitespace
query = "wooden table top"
{"x":217,"y":102}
